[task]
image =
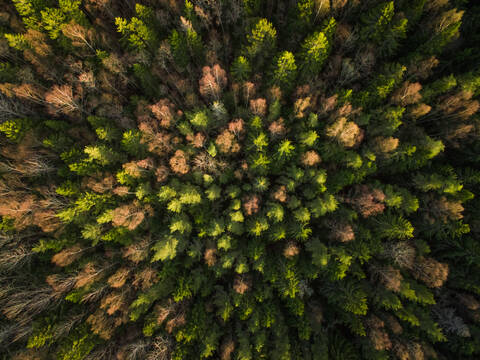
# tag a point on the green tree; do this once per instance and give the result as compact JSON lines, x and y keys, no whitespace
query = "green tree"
{"x":285,"y":71}
{"x":315,"y":50}
{"x":261,"y":41}
{"x":139,"y":31}
{"x":241,"y":68}
{"x":381,"y":27}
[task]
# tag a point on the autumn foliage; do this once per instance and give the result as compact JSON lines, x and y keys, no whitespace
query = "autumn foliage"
{"x":239,"y":179}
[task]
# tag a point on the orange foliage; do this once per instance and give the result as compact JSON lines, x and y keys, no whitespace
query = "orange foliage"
{"x":145,"y":278}
{"x":241,"y":284}
{"x":210,"y":256}
{"x":377,"y":334}
{"x":291,"y":250}
{"x":277,"y":128}
{"x":227,"y":143}
{"x":129,"y":215}
{"x":251,"y":204}
{"x":367,"y":201}
{"x":226,"y":349}
{"x":258,"y":106}
{"x":431,"y":272}
{"x":280,"y":194}
{"x":345,"y":132}
{"x":341,"y":231}
{"x":164,"y":111}
{"x":178,"y":163}
{"x":310,"y":158}
{"x":67,"y":256}
{"x":119,"y":278}
{"x":213,"y":81}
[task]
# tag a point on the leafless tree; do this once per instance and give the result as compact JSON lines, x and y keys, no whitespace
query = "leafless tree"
{"x":161,"y":348}
{"x":10,"y":108}
{"x":24,"y":303}
{"x":14,"y":257}
{"x":137,"y":350}
{"x":62,"y":100}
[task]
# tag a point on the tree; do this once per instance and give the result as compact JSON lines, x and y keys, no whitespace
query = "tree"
{"x":138,"y":31}
{"x":394,"y":227}
{"x":213,"y":81}
{"x":242,"y":179}
{"x":261,"y":41}
{"x":345,"y":132}
{"x":315,"y":50}
{"x":241,"y":68}
{"x":79,"y":35}
{"x":129,"y":216}
{"x":381,"y":27}
{"x":62,"y":100}
{"x":285,"y":70}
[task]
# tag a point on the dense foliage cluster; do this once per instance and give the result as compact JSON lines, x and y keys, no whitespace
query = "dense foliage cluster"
{"x":239,"y":179}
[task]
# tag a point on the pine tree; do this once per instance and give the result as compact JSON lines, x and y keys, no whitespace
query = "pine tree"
{"x":261,"y":41}
{"x":241,"y":179}
{"x":138,"y":30}
{"x":285,"y":70}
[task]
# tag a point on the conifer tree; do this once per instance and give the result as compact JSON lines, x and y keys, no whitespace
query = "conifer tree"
{"x":239,"y":179}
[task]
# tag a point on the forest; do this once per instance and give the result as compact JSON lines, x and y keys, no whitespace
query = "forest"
{"x":239,"y":179}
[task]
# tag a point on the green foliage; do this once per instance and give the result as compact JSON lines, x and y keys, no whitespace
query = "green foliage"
{"x":132,"y":143}
{"x":165,"y":249}
{"x":381,"y":27}
{"x":319,"y":253}
{"x":29,"y":12}
{"x":199,"y":119}
{"x":102,"y":154}
{"x":315,"y":50}
{"x":319,"y":203}
{"x":138,"y":31}
{"x":17,"y":41}
{"x":285,"y":70}
{"x":261,"y":40}
{"x":78,"y":347}
{"x":52,"y":19}
{"x":241,"y":68}
{"x":393,"y":227}
{"x":179,"y":48}
{"x":42,"y":336}
{"x":15,"y":129}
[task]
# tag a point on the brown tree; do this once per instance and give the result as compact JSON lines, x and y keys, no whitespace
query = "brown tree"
{"x":367,"y":201}
{"x":310,"y":158}
{"x":277,"y":128}
{"x":210,"y":256}
{"x":345,"y":132}
{"x":377,"y":334}
{"x":258,"y":106}
{"x":241,"y":284}
{"x":213,"y":82}
{"x":145,"y":278}
{"x":179,"y":163}
{"x":341,"y":231}
{"x":61,"y":100}
{"x":407,"y":94}
{"x":388,"y":276}
{"x":291,"y":250}
{"x":251,"y":204}
{"x":227,"y":142}
{"x":130,"y":215}
{"x":119,"y":278}
{"x":164,"y":111}
{"x":430,"y":271}
{"x":79,"y":35}
{"x":68,"y":255}
{"x":402,"y":253}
